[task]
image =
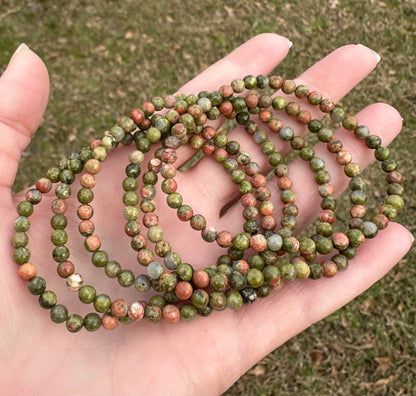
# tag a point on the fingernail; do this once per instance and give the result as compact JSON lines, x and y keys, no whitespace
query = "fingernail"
{"x":377,"y":56}
{"x":289,"y":43}
{"x":21,"y":47}
{"x":413,"y":238}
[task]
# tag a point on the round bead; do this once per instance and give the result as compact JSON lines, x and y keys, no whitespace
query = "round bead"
{"x":74,"y":323}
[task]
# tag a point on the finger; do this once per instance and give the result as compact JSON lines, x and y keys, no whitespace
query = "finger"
{"x":258,"y":55}
{"x":334,"y":76}
{"x":24,"y":90}
{"x":299,"y":304}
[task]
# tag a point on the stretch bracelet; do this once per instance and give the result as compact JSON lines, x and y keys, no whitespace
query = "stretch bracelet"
{"x":264,"y":255}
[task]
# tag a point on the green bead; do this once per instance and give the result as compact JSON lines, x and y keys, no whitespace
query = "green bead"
{"x":37,"y":285}
{"x":63,"y":191}
{"x":361,"y":132}
{"x":99,"y":258}
{"x":53,"y":174}
{"x":153,"y":135}
{"x":271,"y":274}
{"x":358,"y":197}
{"x":395,"y":189}
{"x":373,"y":141}
{"x":102,"y":303}
{"x":314,"y":126}
{"x":239,"y":103}
{"x":126,"y":278}
{"x":288,"y":272}
{"x":317,"y":164}
{"x":234,"y":300}
{"x":198,"y":222}
{"x":59,"y":221}
{"x":279,"y":103}
{"x":357,"y":183}
{"x":188,"y":312}
{"x":185,"y":271}
{"x":267,"y":147}
{"x":133,"y":170}
{"x":324,"y":245}
{"x":341,"y":261}
{"x":307,"y":153}
{"x":155,"y":234}
{"x":396,"y":201}
{"x":316,"y":271}
{"x":174,"y":200}
{"x":241,"y":242}
{"x":131,"y":213}
{"x":382,"y":153}
{"x":262,"y":81}
{"x":59,"y":237}
{"x":172,"y":260}
{"x":21,"y":224}
{"x":47,"y":299}
{"x":217,"y":301}
{"x":154,"y":270}
{"x":287,"y":196}
{"x":200,"y":298}
{"x":143,"y":144}
{"x":158,"y":301}
{"x":20,"y":239}
{"x":260,"y":136}
{"x":218,"y":281}
{"x":325,"y":135}
{"x":237,"y":176}
{"x":130,"y":198}
{"x":356,"y":237}
{"x":286,"y":133}
{"x":86,"y":294}
{"x":256,"y":261}
{"x":67,"y":176}
{"x":323,"y":228}
{"x":352,"y":169}
{"x":130,"y":184}
{"x":350,"y":252}
{"x":237,"y":280}
{"x":142,"y":283}
{"x":153,"y":313}
{"x":92,"y":321}
{"x":21,"y":255}
{"x":250,"y":82}
{"x":245,"y":187}
{"x":25,"y":208}
{"x":74,"y":323}
{"x":307,"y":246}
{"x":255,"y":277}
{"x":369,"y":229}
{"x":112,"y":269}
{"x":60,"y":254}
{"x":302,"y":269}
{"x":349,"y":123}
{"x":337,"y":114}
{"x":59,"y":313}
{"x":263,"y":291}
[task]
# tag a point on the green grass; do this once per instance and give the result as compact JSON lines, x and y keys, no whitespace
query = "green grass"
{"x":105,"y":57}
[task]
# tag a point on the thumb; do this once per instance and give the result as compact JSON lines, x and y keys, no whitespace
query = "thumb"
{"x":24,"y":91}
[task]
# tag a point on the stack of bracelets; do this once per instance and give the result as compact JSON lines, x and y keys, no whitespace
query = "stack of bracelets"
{"x":262,"y":257}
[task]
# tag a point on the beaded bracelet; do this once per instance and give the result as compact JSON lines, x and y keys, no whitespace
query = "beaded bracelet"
{"x":260,"y":258}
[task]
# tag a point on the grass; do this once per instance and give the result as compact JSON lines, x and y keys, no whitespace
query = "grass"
{"x":105,"y":57}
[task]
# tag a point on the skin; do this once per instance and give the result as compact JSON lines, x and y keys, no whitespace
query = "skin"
{"x":207,"y":355}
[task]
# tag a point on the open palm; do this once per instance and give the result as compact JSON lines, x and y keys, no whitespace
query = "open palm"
{"x":207,"y":355}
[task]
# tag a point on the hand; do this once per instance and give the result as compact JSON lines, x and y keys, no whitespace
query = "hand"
{"x":207,"y":355}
